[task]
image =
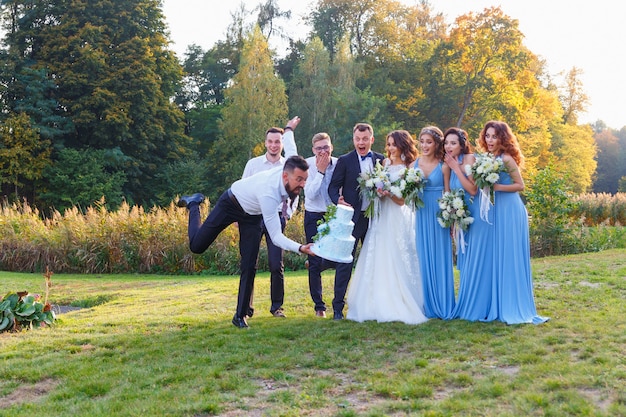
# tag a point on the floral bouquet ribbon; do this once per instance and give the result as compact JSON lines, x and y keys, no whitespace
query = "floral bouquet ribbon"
{"x":454,"y":213}
{"x":486,"y":173}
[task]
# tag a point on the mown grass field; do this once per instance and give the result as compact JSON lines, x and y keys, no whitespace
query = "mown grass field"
{"x":164,"y":346}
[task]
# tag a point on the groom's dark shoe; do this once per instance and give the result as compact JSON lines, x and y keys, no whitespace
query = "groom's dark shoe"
{"x":337,"y":315}
{"x":240,"y":322}
{"x":185,"y":200}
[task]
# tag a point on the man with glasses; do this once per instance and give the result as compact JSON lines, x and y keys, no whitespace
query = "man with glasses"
{"x":316,"y":199}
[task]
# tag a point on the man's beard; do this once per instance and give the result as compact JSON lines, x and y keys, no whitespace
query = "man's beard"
{"x":292,"y":194}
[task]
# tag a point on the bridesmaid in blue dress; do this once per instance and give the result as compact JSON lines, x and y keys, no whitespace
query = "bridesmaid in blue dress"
{"x":433,"y":242}
{"x":512,"y":287}
{"x":476,"y":263}
{"x":458,"y":155}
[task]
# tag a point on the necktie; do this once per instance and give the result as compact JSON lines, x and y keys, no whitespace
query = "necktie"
{"x":283,"y":209}
{"x":325,"y":182}
{"x":369,"y":155}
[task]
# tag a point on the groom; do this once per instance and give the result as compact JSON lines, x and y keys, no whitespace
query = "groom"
{"x":344,"y":180}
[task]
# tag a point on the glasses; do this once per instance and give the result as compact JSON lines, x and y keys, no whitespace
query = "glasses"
{"x":321,"y":148}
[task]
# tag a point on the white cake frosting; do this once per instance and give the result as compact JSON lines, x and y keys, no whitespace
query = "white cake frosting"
{"x":338,"y":243}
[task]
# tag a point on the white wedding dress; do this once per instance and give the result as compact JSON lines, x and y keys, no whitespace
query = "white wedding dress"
{"x":386,"y":284}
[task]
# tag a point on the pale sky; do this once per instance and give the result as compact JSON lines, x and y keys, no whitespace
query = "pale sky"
{"x":589,"y":35}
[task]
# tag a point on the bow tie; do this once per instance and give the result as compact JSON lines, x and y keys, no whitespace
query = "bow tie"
{"x":369,"y":155}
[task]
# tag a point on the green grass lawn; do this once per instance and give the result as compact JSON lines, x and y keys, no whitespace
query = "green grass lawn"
{"x":164,"y":346}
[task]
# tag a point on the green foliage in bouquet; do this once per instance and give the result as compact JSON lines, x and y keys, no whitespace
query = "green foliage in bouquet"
{"x":322,"y":224}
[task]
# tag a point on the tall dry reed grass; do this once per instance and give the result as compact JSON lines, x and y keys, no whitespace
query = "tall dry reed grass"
{"x":600,"y":209}
{"x":129,"y":239}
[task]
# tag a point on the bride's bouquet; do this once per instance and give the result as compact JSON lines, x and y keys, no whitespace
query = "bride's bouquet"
{"x":454,"y":213}
{"x":486,"y":172}
{"x":410,"y":187}
{"x":371,"y":185}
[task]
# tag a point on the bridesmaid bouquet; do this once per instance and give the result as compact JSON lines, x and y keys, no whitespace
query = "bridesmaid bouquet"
{"x":486,"y":173}
{"x":371,"y":184}
{"x":454,"y":213}
{"x":410,"y":187}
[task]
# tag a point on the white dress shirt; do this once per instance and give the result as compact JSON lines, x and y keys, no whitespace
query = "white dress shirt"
{"x":261,"y":163}
{"x":367,"y":165}
{"x":316,"y":197}
{"x":263,"y":192}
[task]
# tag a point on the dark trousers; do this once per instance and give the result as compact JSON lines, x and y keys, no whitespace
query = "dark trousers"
{"x":316,"y":264}
{"x":344,"y":270}
{"x":277,"y":269}
{"x":225,"y":213}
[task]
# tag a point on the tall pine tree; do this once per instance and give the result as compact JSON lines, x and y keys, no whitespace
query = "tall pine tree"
{"x":113,"y":78}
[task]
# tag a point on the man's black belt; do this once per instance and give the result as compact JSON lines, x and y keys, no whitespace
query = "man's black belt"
{"x":234,"y":200}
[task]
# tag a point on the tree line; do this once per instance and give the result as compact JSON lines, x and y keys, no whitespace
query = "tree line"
{"x":96,"y":104}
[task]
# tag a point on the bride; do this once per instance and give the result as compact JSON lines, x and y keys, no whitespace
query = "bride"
{"x":386,"y":284}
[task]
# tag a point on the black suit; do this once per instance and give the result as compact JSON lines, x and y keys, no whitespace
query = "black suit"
{"x":344,"y":182}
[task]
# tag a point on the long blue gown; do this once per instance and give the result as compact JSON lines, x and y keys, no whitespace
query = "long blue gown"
{"x":434,"y":249}
{"x":476,"y":264}
{"x":512,"y":286}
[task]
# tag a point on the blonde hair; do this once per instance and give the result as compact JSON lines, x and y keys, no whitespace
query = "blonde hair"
{"x":320,"y":136}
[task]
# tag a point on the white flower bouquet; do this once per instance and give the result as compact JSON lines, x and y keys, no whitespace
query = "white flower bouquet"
{"x":371,"y":185}
{"x":454,"y":213}
{"x":486,"y":172}
{"x":410,"y":186}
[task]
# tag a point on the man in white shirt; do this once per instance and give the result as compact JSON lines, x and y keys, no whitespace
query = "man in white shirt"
{"x":272,"y":158}
{"x":250,"y":202}
{"x":316,"y":200}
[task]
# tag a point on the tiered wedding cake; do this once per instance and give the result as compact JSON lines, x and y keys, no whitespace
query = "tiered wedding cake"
{"x":334,"y":238}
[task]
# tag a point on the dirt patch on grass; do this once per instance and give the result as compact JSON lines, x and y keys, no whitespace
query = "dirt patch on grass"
{"x":58,"y":309}
{"x":28,"y":393}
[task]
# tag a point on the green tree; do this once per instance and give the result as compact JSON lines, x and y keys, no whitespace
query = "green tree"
{"x":268,"y":14}
{"x":549,"y":203}
{"x":255,"y":101}
{"x":333,"y":19}
{"x":114,"y":77}
{"x":83,"y":177}
{"x":478,"y":66}
{"x":183,"y":177}
{"x":575,"y":151}
{"x":350,"y":104}
{"x":23,"y":154}
{"x":609,"y":169}
{"x":311,"y":92}
{"x":573,"y":97}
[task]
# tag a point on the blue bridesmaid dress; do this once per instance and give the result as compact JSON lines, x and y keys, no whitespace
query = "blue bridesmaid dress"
{"x":434,"y":249}
{"x":512,"y":288}
{"x":476,"y":264}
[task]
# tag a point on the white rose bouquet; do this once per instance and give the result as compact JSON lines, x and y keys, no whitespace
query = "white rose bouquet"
{"x":454,"y":213}
{"x":371,"y":185}
{"x":410,"y":186}
{"x":486,"y":172}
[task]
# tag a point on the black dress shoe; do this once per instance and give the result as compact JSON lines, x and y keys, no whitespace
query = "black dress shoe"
{"x":337,"y":315}
{"x":185,"y":200}
{"x":240,"y":322}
